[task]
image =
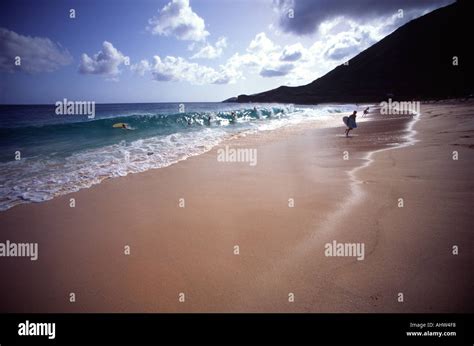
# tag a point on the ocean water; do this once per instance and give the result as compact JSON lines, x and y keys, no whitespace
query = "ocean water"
{"x":60,"y":154}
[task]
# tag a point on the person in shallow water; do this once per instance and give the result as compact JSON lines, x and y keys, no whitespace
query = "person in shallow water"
{"x":351,"y":123}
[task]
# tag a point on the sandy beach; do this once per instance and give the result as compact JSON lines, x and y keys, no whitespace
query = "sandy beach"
{"x":183,"y":223}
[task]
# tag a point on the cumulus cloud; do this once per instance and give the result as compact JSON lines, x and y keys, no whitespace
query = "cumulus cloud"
{"x":296,"y":64}
{"x":37,"y":54}
{"x":292,"y":53}
{"x":265,"y":57}
{"x":209,"y":51}
{"x":262,"y":56}
{"x":344,"y":30}
{"x":178,"y":19}
{"x":141,"y":67}
{"x":347,"y":43}
{"x":309,"y":14}
{"x":336,"y":48}
{"x":293,"y":64}
{"x":178,"y":69}
{"x":105,"y":62}
{"x":276,"y":70}
{"x":262,"y":44}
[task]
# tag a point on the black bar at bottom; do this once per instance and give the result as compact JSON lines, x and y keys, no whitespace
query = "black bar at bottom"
{"x":315,"y":329}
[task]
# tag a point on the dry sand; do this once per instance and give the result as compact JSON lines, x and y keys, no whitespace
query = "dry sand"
{"x":191,"y":250}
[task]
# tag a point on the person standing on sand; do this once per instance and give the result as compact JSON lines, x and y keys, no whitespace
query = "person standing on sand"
{"x":351,"y":123}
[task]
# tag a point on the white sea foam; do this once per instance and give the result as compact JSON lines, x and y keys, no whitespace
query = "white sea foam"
{"x":37,"y":179}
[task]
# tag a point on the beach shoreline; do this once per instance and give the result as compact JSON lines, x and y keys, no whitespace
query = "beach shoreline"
{"x":183,"y":222}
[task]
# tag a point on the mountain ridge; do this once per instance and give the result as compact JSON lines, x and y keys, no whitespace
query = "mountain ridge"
{"x":413,"y":62}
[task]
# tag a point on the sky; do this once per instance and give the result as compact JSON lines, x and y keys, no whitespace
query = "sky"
{"x":122,"y":51}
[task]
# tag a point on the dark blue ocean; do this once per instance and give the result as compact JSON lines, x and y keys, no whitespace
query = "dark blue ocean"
{"x":44,"y":154}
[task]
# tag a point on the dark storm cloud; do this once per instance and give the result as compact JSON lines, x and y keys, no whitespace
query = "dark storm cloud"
{"x":308,"y":14}
{"x":37,"y":54}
